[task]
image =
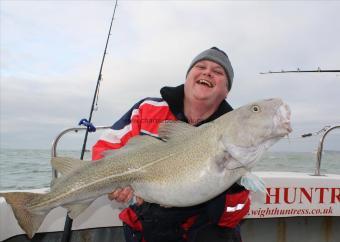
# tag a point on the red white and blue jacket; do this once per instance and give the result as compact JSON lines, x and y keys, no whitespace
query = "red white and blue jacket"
{"x":144,"y":117}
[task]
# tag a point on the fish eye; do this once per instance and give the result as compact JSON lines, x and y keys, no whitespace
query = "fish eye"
{"x":255,"y":108}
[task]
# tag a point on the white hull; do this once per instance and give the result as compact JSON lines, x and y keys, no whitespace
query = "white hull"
{"x":297,"y":203}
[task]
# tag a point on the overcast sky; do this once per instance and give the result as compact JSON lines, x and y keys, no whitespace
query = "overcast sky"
{"x":51,"y":53}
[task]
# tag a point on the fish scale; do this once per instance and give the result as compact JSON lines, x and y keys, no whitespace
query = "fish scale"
{"x":189,"y":166}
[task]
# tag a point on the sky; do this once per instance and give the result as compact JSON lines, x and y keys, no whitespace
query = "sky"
{"x":50,"y":53}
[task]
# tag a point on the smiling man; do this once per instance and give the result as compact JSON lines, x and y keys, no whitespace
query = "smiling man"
{"x":200,"y":100}
{"x":208,"y":81}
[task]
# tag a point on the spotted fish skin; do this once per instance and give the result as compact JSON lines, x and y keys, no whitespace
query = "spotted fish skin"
{"x":187,"y":166}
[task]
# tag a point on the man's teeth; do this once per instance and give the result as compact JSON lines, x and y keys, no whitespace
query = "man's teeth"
{"x":205,"y":82}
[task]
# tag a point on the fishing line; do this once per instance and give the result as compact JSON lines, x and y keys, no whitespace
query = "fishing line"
{"x":68,"y":221}
{"x":95,"y":96}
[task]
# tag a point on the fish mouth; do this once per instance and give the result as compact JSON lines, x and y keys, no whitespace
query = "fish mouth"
{"x":282,"y":120}
{"x":205,"y":82}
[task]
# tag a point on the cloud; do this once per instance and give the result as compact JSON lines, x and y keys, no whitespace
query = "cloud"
{"x":51,"y":53}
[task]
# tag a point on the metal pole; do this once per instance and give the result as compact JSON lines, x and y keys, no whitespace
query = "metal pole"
{"x":320,"y":150}
{"x":68,"y":222}
{"x":298,"y":71}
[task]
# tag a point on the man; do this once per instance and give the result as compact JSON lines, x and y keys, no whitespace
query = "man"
{"x":200,"y":100}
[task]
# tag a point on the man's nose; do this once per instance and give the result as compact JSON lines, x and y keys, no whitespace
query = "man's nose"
{"x":207,"y":72}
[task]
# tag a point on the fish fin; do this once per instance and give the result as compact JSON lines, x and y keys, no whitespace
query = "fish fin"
{"x":54,"y":181}
{"x":73,"y":210}
{"x":168,"y":129}
{"x":230,"y":163}
{"x":28,"y":221}
{"x":108,"y":153}
{"x":252,"y":182}
{"x":135,"y":142}
{"x":66,"y":165}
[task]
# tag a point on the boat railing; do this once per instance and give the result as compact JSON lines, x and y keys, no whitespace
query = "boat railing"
{"x":76,"y":129}
{"x":320,"y":150}
{"x":56,"y":140}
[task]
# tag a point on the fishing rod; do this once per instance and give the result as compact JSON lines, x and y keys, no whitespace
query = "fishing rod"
{"x":68,"y":222}
{"x":298,"y":71}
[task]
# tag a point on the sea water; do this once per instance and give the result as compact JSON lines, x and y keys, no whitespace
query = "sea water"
{"x":29,"y":169}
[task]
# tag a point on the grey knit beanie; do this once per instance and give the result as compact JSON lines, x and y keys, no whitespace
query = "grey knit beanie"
{"x":220,"y":57}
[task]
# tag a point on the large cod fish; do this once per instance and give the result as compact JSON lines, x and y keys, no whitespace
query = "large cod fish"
{"x":187,"y":166}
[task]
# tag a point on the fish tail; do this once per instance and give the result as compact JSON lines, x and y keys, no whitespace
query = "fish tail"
{"x":254,"y":183}
{"x":28,"y":221}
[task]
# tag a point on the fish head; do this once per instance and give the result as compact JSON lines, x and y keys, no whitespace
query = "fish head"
{"x":252,"y":129}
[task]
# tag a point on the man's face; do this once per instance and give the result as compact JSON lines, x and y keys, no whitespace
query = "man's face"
{"x":206,"y":81}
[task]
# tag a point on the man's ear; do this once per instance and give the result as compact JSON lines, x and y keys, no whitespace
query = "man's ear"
{"x":226,"y":94}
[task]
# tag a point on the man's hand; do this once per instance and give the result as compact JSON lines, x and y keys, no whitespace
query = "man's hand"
{"x":124,"y":195}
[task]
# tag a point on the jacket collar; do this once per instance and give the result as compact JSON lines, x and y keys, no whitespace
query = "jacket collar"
{"x":174,"y":96}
